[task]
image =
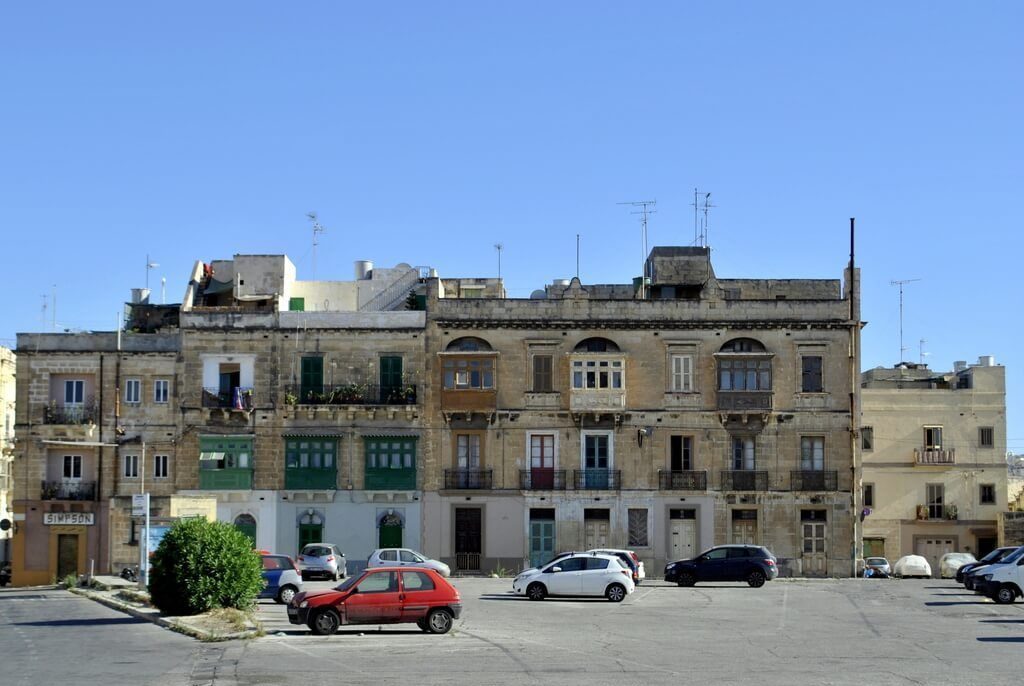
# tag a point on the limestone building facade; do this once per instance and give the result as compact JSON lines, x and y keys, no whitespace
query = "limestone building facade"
{"x":7,"y":418}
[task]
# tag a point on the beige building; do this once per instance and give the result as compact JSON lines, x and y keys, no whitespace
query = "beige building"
{"x":666,"y":418}
{"x":934,"y":459}
{"x":7,"y":395}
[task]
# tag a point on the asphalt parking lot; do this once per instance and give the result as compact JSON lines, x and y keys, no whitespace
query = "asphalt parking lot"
{"x":792,"y":631}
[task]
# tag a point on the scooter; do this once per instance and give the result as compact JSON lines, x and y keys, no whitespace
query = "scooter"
{"x":130,"y":573}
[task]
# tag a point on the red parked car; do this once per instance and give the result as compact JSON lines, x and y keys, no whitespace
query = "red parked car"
{"x":381,"y":595}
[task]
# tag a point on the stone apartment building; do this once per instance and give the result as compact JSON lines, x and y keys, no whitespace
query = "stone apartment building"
{"x":7,"y":396}
{"x":665,"y":417}
{"x":934,"y":465}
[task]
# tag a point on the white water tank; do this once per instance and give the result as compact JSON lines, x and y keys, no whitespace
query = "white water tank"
{"x":959,"y":365}
{"x":140,"y":296}
{"x":363,"y":269}
{"x":561,"y":283}
{"x":987,"y":361}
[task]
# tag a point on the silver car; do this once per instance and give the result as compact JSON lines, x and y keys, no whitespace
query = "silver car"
{"x":322,"y":559}
{"x":404,"y":557}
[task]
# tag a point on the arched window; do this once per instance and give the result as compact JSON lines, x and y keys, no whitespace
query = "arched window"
{"x":468,"y":344}
{"x":742,"y":345}
{"x":246,"y":523}
{"x":596,"y":345}
{"x":744,"y":365}
{"x":594,"y":369}
{"x":468,"y":372}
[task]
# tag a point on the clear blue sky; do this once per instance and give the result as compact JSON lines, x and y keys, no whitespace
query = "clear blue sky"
{"x":427,"y":132}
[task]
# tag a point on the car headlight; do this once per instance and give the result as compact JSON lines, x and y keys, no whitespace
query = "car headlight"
{"x":987,"y":577}
{"x":671,"y":566}
{"x":304,"y":603}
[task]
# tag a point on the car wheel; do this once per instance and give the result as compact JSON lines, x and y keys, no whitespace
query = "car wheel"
{"x":756,"y":579}
{"x":1005,"y":595}
{"x":969,"y":584}
{"x":536,"y":591}
{"x":325,"y":622}
{"x":285,"y":595}
{"x":422,"y":624}
{"x":616,"y":593}
{"x":686,"y":579}
{"x":334,"y":577}
{"x":439,"y":621}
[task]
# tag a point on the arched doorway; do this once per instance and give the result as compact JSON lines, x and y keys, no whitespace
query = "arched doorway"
{"x":246,"y":523}
{"x":389,"y":528}
{"x":311,"y":529}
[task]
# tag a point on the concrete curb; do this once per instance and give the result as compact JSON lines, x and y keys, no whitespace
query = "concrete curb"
{"x":167,"y":622}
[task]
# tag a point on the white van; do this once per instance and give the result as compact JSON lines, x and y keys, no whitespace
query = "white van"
{"x":1004,"y":581}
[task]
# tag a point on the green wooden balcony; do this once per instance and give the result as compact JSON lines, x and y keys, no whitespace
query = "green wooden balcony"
{"x":225,"y":479}
{"x":388,"y":479}
{"x":311,"y":479}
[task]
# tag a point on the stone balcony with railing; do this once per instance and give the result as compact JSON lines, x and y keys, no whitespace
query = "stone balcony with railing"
{"x":935,"y":456}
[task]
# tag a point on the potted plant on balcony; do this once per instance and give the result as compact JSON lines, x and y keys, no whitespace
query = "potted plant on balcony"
{"x":922,"y":512}
{"x":408,"y":394}
{"x":353,"y":393}
{"x":951,"y":512}
{"x":291,"y":399}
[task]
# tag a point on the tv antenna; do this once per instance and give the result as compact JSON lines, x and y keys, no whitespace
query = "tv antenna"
{"x":921,"y":354}
{"x":901,"y":283}
{"x":149,"y":266}
{"x":646,"y":209}
{"x":317,"y":230}
{"x":701,"y":206}
{"x":42,"y":314}
{"x":499,"y":247}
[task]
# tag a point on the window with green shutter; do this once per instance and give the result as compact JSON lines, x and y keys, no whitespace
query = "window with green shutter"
{"x":296,"y":304}
{"x":390,"y":463}
{"x":311,"y":463}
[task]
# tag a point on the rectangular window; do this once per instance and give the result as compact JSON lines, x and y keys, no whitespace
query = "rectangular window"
{"x":812,"y":453}
{"x":472,"y":292}
{"x":988,"y":494}
{"x":869,"y":495}
{"x":542,"y":451}
{"x":680,"y":453}
{"x":745,"y":375}
{"x":595,"y":451}
{"x":73,"y":467}
{"x":743,"y":456}
{"x":935,"y":495}
{"x":811,"y":375}
{"x":596,"y":374}
{"x":542,"y":376}
{"x":467,"y":451}
{"x":986,"y":437}
{"x":682,"y":373}
{"x":310,"y":453}
{"x":867,"y":439}
{"x":133,"y":391}
{"x":230,"y":452}
{"x":131,"y":466}
{"x":74,"y":392}
{"x":469,"y":374}
{"x":161,"y":388}
{"x":638,"y":527}
{"x":160,"y":463}
{"x":390,"y":452}
{"x":933,"y":438}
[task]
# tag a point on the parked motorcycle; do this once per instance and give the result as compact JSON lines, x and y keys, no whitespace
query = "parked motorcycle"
{"x":130,"y":573}
{"x":5,"y":574}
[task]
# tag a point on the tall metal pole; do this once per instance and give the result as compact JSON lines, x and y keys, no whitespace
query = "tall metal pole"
{"x":144,"y":543}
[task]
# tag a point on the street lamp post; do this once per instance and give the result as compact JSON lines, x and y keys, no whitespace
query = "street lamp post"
{"x":143,"y":504}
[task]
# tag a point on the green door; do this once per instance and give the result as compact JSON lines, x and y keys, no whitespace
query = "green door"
{"x":310,"y":533}
{"x":390,"y":536}
{"x":312,"y":378}
{"x":67,"y":555}
{"x":390,"y":379}
{"x":542,"y":541}
{"x":247,"y":525}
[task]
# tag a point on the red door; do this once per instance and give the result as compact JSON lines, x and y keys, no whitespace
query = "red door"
{"x":418,"y":590}
{"x":377,"y":598}
{"x":542,"y":462}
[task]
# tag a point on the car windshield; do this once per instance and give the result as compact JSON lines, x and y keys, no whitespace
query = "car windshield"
{"x":876,"y":561}
{"x":996,"y":554}
{"x":348,"y":583}
{"x":1014,"y":556}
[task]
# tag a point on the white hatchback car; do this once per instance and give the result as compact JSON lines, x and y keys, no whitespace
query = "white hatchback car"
{"x":579,"y":574}
{"x":406,"y":557}
{"x":912,"y":565}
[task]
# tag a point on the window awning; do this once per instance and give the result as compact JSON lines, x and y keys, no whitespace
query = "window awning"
{"x":211,"y":456}
{"x":313,"y":434}
{"x":391,"y":433}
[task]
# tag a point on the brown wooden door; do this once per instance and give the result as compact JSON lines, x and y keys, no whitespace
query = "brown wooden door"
{"x":468,"y":539}
{"x":67,"y":555}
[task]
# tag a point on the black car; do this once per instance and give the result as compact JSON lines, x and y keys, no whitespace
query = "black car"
{"x":993,"y":557}
{"x":751,"y":563}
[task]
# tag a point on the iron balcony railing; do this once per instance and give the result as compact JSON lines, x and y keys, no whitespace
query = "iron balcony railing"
{"x":683,"y":480}
{"x":238,"y":398}
{"x":351,"y":394}
{"x":68,"y":490}
{"x":474,"y":479}
{"x":814,"y":480}
{"x":597,"y":479}
{"x":935,"y":456}
{"x":744,"y":480}
{"x":542,"y":479}
{"x":70,"y":414}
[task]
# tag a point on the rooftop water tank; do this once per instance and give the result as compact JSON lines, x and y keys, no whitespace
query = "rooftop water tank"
{"x":363,"y":269}
{"x":987,"y":361}
{"x":140,"y":296}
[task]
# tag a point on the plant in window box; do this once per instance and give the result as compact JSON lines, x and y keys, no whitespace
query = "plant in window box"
{"x":291,"y":399}
{"x":353,"y":393}
{"x":951,"y":512}
{"x":408,"y":394}
{"x":316,"y":398}
{"x":922,"y":512}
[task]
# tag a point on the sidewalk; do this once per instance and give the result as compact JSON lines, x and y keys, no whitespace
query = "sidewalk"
{"x":126,"y":596}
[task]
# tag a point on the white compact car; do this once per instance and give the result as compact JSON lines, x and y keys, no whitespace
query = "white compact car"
{"x":579,"y":574}
{"x":951,"y":563}
{"x":635,"y":564}
{"x":911,"y":566}
{"x":405,"y":557}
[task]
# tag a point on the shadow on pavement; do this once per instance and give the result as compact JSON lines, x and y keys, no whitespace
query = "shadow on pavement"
{"x":1001,"y":639}
{"x":944,"y":603}
{"x":86,"y":622}
{"x":1001,"y":621}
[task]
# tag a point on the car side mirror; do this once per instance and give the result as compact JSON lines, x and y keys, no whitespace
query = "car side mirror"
{"x":556,"y":569}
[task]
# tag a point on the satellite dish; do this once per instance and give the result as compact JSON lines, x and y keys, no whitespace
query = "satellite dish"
{"x":539,"y":294}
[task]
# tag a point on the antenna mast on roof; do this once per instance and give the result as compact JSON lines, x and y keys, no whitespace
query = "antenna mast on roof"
{"x":701,"y":206}
{"x":643,"y":212}
{"x":317,"y":230}
{"x":900,"y":282}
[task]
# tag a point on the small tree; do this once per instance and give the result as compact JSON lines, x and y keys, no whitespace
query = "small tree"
{"x":201,"y":565}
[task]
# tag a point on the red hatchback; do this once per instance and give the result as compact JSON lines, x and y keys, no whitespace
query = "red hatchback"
{"x":381,"y":595}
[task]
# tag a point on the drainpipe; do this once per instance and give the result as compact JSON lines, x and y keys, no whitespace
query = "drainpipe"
{"x":855,"y":467}
{"x":99,"y":471}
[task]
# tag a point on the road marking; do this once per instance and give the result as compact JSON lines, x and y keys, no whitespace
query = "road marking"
{"x":785,"y":604}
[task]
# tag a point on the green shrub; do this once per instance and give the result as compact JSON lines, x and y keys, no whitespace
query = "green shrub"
{"x":201,"y":565}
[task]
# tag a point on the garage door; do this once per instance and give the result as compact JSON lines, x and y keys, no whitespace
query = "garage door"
{"x":933,"y":548}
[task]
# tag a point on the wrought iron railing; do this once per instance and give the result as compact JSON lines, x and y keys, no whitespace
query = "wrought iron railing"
{"x":238,"y":398}
{"x":744,"y":480}
{"x":597,"y":479}
{"x":814,"y":480}
{"x":467,"y":562}
{"x":683,"y":480}
{"x":70,"y":414}
{"x":351,"y":394}
{"x":542,"y":479}
{"x":476,"y":479}
{"x":68,"y":490}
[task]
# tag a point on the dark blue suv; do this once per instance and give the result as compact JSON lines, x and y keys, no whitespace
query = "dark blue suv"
{"x":751,"y":563}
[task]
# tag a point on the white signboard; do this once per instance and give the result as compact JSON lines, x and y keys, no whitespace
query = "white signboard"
{"x":140,"y":505}
{"x":81,"y":518}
